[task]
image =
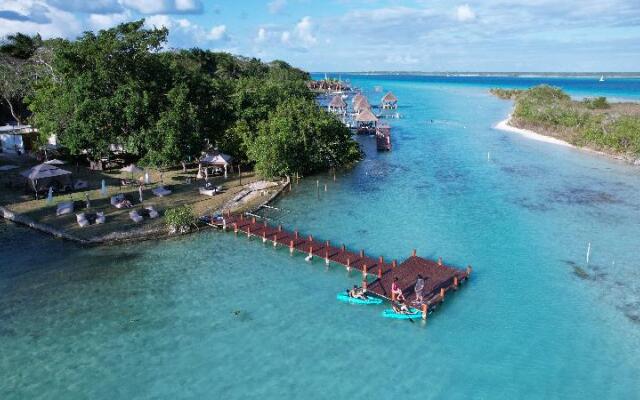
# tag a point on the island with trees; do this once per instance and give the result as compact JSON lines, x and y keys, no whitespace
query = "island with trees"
{"x":591,"y":123}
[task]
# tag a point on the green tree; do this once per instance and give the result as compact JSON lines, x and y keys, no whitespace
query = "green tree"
{"x":20,"y":46}
{"x":300,"y":137}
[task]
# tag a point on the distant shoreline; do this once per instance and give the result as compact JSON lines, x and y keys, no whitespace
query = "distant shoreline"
{"x":494,"y":74}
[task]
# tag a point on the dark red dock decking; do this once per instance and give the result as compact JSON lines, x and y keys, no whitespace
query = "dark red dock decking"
{"x":439,"y":278}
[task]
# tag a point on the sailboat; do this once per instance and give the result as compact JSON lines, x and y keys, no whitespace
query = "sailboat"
{"x":601,"y":78}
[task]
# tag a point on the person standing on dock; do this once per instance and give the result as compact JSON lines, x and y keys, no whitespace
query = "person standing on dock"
{"x":419,"y":287}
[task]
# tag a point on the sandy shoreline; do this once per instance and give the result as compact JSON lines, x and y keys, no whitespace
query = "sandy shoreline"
{"x":504,"y":126}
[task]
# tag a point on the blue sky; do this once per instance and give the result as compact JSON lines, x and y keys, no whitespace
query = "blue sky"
{"x":365,"y":35}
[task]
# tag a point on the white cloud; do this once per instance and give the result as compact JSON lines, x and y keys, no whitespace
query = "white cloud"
{"x":304,"y":31}
{"x":262,"y":35}
{"x":105,"y":21}
{"x":464,"y":13}
{"x":36,"y":16}
{"x":276,"y":6}
{"x":217,"y":33}
{"x":285,"y":37}
{"x":163,"y":6}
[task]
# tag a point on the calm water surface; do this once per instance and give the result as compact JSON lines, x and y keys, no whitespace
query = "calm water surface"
{"x":211,"y":315}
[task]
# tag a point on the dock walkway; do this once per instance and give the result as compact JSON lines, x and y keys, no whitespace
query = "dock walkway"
{"x":439,"y":278}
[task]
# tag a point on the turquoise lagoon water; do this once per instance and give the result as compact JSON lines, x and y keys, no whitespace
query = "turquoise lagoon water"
{"x":215,"y":316}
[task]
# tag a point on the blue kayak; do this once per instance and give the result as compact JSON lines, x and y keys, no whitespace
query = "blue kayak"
{"x":347,"y":299}
{"x":389,"y":313}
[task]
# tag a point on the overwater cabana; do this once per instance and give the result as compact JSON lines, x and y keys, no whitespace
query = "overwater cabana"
{"x":337,"y":105}
{"x":389,"y":101}
{"x":361,"y":105}
{"x":366,"y":122}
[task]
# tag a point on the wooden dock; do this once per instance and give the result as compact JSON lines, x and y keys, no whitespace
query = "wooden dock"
{"x":383,"y":137}
{"x":378,"y":275}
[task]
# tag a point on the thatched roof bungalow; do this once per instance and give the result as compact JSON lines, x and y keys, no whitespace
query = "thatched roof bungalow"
{"x":366,"y":121}
{"x":361,"y":105}
{"x":389,"y":101}
{"x":337,"y":105}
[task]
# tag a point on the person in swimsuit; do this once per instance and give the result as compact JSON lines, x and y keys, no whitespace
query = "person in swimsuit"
{"x":395,"y":289}
{"x":357,"y":293}
{"x":401,"y":307}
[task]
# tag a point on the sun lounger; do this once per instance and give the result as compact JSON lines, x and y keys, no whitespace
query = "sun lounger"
{"x":161,"y":191}
{"x":207,"y":192}
{"x":100,"y":218}
{"x":153,"y":213}
{"x":64,"y":208}
{"x":82,"y":220}
{"x":135,"y":217}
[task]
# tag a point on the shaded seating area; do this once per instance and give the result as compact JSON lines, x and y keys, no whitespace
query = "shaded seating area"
{"x":44,"y":176}
{"x":389,"y":101}
{"x":366,"y":122}
{"x":219,"y":163}
{"x":337,"y":105}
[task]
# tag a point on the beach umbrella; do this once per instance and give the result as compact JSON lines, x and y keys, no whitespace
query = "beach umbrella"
{"x":140,"y":193}
{"x":103,"y":189}
{"x":55,"y":161}
{"x":50,"y":195}
{"x":131,"y":168}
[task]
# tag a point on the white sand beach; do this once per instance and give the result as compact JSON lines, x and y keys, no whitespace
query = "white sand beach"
{"x":504,"y":126}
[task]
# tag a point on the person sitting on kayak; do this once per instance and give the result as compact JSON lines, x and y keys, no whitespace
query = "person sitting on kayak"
{"x":357,"y":293}
{"x":395,"y":289}
{"x":401,"y":307}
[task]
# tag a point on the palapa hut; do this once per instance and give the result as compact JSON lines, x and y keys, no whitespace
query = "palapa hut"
{"x":43,"y":176}
{"x":357,"y":98}
{"x":215,"y":158}
{"x":389,"y":101}
{"x":366,"y":122}
{"x":337,"y":105}
{"x":361,"y":105}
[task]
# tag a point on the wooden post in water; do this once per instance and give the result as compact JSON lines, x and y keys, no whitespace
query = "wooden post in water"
{"x":295,"y":234}
{"x":310,"y":253}
{"x":361,"y":253}
{"x":343,"y":248}
{"x":291,"y":247}
{"x":348,"y":263}
{"x":249,"y":231}
{"x":469,"y":269}
{"x":425,"y":310}
{"x":235,"y":228}
{"x":325,"y":187}
{"x":394,"y":264}
{"x":318,"y":188}
{"x":275,"y":240}
{"x":279,"y":228}
{"x":379,"y":272}
{"x":440,"y":261}
{"x":364,"y":271}
{"x":455,"y":282}
{"x":364,"y":284}
{"x":414,"y":253}
{"x":442,"y":293}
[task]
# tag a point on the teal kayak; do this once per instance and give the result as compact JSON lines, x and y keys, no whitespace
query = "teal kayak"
{"x":370,"y":300}
{"x":389,"y":313}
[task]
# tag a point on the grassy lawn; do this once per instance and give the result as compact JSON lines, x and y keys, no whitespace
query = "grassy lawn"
{"x":117,"y":220}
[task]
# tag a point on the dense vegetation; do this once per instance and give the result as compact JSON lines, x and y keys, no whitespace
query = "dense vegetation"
{"x":119,"y":86}
{"x":591,"y":123}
